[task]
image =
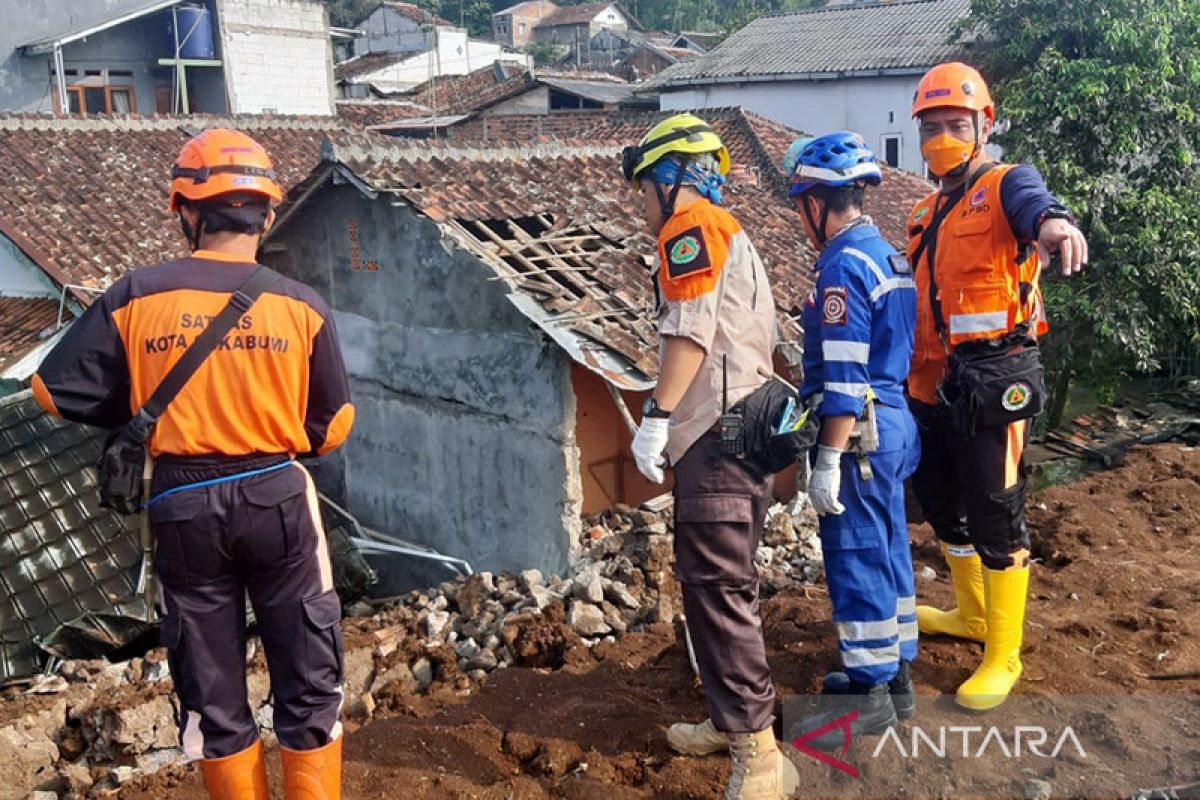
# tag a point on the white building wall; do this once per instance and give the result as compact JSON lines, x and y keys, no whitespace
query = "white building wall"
{"x":456,"y":54}
{"x":874,"y":107}
{"x":278,"y":56}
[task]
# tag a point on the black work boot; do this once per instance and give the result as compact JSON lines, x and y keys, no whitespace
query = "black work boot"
{"x":875,"y":715}
{"x":904,"y":699}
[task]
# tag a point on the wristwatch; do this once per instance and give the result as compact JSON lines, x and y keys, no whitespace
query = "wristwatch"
{"x":651,"y":408}
{"x":1054,"y":212}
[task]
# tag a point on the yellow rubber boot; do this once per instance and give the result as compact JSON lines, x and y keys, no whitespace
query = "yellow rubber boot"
{"x":313,"y":774}
{"x":1005,"y":592}
{"x":241,"y":776}
{"x":967,"y":621}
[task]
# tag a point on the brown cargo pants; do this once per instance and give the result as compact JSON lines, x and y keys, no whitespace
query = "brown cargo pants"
{"x":721,"y":504}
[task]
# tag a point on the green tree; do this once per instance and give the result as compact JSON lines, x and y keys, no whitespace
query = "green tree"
{"x":1103,"y":97}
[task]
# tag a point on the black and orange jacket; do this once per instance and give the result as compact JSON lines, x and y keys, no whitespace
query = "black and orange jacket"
{"x":275,"y":384}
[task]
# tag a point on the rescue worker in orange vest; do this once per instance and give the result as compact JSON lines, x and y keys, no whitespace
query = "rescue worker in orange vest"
{"x":231,"y":510}
{"x":977,"y":246}
{"x":716,"y":322}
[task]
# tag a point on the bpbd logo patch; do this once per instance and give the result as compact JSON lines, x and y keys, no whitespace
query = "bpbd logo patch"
{"x":685,"y":251}
{"x":1016,"y":397}
{"x":833,"y":306}
{"x":687,"y":254}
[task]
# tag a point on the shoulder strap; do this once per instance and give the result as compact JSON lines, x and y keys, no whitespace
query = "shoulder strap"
{"x":929,"y":242}
{"x":261,"y":279}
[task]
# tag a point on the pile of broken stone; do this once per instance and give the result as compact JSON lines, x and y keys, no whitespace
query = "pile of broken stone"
{"x":104,"y":724}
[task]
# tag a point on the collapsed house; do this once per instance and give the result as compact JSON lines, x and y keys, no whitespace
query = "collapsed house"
{"x":491,"y":299}
{"x":494,"y":310}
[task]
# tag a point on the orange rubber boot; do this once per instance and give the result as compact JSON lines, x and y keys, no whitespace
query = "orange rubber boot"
{"x":241,"y":776}
{"x":313,"y":774}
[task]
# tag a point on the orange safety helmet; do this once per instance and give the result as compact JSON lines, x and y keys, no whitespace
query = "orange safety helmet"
{"x":953,"y":85}
{"x":221,"y":161}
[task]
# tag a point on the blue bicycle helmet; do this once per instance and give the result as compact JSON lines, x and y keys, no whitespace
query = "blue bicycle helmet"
{"x":792,"y":156}
{"x":835,"y":159}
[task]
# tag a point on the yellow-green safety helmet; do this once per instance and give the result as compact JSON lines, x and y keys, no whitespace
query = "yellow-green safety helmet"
{"x":682,"y":133}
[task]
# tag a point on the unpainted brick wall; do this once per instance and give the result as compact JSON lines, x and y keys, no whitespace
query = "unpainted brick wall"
{"x":277,"y":56}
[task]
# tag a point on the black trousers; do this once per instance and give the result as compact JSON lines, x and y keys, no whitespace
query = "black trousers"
{"x":972,"y":488}
{"x":721,"y":504}
{"x":260,"y":535}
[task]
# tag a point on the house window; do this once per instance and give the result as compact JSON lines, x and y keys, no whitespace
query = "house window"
{"x":94,"y":94}
{"x":891,"y":149}
{"x":521,"y":28}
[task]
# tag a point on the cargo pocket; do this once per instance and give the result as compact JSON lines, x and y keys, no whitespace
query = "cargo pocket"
{"x":323,"y":642}
{"x":276,"y":515}
{"x":1004,"y":528}
{"x":185,"y":551}
{"x":715,"y":538}
{"x":171,"y":635}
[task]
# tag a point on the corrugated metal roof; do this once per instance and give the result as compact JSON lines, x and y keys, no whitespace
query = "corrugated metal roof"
{"x":858,"y":38}
{"x":599,"y":91}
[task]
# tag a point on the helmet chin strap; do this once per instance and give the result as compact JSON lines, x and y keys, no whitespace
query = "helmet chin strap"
{"x":667,"y":202}
{"x":819,"y":232}
{"x":192,"y":234}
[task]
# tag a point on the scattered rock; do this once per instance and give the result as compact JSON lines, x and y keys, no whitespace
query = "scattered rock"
{"x":927,"y":574}
{"x":422,"y":671}
{"x":589,"y":587}
{"x":619,"y":594}
{"x":587,"y":619}
{"x":1037,"y":789}
{"x":359,"y":611}
{"x":435,"y":623}
{"x":530,"y":578}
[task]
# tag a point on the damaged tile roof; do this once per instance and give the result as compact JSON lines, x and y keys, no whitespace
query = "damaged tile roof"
{"x":756,"y":145}
{"x":24,"y":323}
{"x":863,"y":38}
{"x":367,"y":63}
{"x":556,"y":223}
{"x":89,"y":195}
{"x":408,"y":10}
{"x":368,"y":113}
{"x":466,"y":94}
{"x":61,"y":555}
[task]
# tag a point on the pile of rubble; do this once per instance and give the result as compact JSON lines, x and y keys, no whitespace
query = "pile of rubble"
{"x":101,"y":724}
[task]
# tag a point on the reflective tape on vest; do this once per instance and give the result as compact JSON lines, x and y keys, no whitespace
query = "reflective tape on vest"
{"x":988,"y":322}
{"x":852,"y":352}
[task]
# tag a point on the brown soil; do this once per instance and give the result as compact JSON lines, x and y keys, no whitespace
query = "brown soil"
{"x":1115,"y":601}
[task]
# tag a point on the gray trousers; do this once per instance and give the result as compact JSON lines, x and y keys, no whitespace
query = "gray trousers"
{"x":721,"y":503}
{"x":260,"y":535}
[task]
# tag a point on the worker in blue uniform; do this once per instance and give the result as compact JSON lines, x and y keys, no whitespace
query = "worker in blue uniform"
{"x":858,"y":342}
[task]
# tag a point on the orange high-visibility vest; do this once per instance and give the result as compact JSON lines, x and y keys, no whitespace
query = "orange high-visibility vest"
{"x":986,"y":280}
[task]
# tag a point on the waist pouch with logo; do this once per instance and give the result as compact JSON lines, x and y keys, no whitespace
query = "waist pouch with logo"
{"x":993,"y":386}
{"x":764,"y":410}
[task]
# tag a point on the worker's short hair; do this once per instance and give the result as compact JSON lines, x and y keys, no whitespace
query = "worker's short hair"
{"x":840,"y":199}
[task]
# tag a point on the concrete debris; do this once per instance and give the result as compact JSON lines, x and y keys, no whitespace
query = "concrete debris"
{"x":108,"y":722}
{"x":587,"y":619}
{"x":927,"y":574}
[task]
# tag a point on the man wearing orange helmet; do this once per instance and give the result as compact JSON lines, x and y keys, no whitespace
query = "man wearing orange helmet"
{"x":231,"y":510}
{"x":976,"y":247}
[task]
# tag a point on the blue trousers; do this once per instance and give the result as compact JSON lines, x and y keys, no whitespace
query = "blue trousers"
{"x":868,"y":562}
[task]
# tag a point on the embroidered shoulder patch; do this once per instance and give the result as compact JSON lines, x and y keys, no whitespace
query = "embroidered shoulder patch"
{"x":687,"y":254}
{"x":899,"y":264}
{"x":833,"y":306}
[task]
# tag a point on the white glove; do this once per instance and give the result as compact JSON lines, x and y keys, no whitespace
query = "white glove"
{"x":648,"y":447}
{"x":825,"y":483}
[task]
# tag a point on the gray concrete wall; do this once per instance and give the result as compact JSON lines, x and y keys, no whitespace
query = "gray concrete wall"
{"x":388,"y":31}
{"x":26,"y":83}
{"x":465,"y":435}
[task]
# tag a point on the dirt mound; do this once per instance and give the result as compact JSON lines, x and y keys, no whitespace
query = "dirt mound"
{"x":1115,"y":602}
